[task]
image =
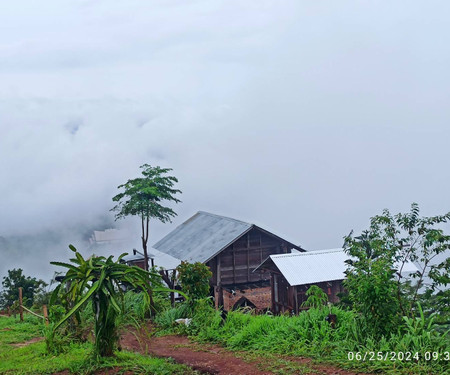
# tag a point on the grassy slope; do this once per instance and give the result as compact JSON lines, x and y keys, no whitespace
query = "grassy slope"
{"x":308,"y":335}
{"x":32,"y":359}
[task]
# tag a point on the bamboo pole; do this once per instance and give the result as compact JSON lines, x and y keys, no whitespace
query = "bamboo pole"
{"x":32,"y":312}
{"x":44,"y":308}
{"x":20,"y":304}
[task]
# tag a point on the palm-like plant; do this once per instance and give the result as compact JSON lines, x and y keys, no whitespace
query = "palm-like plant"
{"x":100,"y":279}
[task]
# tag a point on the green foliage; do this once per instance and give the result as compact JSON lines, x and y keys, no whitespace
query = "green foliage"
{"x":99,"y":280}
{"x":136,"y":304}
{"x":316,"y":297}
{"x":166,"y":319}
{"x":74,"y":359}
{"x":14,"y":331}
{"x":418,"y":334}
{"x":371,"y":285}
{"x":194,"y":279}
{"x":375,"y":282}
{"x":143,"y":196}
{"x":11,"y":283}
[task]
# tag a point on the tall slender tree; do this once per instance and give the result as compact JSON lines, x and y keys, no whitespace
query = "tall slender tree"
{"x":144,"y":196}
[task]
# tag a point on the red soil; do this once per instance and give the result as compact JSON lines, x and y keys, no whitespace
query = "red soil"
{"x":212,"y":359}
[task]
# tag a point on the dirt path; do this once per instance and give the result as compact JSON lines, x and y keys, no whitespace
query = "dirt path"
{"x":213,"y":359}
{"x":26,"y":343}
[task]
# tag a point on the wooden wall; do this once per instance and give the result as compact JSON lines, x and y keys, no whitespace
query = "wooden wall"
{"x":290,"y":298}
{"x":236,"y":263}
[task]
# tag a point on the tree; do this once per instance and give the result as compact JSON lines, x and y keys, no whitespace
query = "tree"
{"x":143,"y":197}
{"x":375,"y":281}
{"x":100,"y":280}
{"x":11,"y":283}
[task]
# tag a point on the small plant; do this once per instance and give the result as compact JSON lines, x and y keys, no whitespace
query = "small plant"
{"x":316,"y":297}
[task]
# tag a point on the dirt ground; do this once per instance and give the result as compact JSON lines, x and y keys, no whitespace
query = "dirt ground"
{"x":26,"y":343}
{"x":213,"y":359}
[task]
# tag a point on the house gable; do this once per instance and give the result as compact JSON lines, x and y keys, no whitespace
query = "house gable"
{"x":205,"y":235}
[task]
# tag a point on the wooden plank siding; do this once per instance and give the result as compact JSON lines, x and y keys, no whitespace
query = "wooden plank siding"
{"x":286,"y":298}
{"x":235,"y":264}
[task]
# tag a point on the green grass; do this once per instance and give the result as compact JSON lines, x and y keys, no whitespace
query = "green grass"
{"x":11,"y":333}
{"x":32,"y":359}
{"x":310,"y":335}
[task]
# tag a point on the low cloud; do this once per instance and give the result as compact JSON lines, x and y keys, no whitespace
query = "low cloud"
{"x":304,"y":118}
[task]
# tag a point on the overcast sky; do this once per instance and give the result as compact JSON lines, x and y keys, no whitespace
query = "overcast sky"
{"x":304,"y":117}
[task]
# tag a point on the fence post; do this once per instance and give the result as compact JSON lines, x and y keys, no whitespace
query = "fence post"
{"x":44,"y":308}
{"x":20,"y":304}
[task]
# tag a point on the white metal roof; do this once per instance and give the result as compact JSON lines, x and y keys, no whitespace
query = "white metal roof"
{"x":317,"y":266}
{"x":312,"y":266}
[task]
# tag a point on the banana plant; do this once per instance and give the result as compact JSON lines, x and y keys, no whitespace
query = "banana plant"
{"x":100,"y":280}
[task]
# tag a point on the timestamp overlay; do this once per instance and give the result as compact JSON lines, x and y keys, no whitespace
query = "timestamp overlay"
{"x":399,"y":356}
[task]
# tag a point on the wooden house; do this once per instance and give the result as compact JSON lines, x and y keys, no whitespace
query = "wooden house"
{"x":292,"y":274}
{"x":232,"y":249}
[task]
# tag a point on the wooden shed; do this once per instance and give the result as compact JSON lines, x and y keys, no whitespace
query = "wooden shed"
{"x":292,"y":274}
{"x":232,"y":249}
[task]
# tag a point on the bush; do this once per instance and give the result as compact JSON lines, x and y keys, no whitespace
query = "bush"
{"x":194,"y":279}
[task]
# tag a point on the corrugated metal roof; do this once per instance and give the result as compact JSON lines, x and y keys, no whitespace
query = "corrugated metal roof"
{"x":312,"y":267}
{"x":317,"y":266}
{"x":201,"y":237}
{"x":164,"y":260}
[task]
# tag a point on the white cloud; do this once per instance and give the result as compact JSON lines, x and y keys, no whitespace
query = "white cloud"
{"x":306,"y":117}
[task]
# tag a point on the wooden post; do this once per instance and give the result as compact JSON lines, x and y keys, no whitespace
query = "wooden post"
{"x":272,"y":293}
{"x":219,"y":302}
{"x":172,"y":294}
{"x":44,"y":308}
{"x":9,"y":311}
{"x":295,"y":300}
{"x":20,"y":304}
{"x":220,"y":296}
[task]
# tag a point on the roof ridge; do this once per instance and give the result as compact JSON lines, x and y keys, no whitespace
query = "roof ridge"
{"x":314,"y":252}
{"x":223,"y":217}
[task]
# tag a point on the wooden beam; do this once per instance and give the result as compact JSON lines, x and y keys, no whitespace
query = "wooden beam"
{"x":234,"y":263}
{"x":219,"y":277}
{"x":272,"y":293}
{"x":296,"y":300}
{"x":248,"y":267}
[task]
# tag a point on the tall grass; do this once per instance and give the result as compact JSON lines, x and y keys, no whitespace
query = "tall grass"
{"x":309,"y":334}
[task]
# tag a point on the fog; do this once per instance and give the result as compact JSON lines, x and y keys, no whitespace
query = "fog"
{"x":306,"y":118}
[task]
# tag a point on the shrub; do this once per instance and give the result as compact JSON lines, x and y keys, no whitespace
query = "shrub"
{"x":194,"y":279}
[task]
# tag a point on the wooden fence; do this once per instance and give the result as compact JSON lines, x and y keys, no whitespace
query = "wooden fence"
{"x":22,"y":308}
